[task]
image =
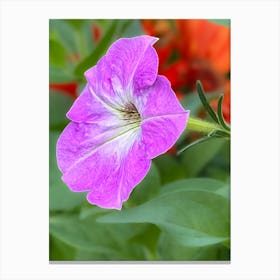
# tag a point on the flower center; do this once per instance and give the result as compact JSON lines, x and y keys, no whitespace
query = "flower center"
{"x":130,"y":113}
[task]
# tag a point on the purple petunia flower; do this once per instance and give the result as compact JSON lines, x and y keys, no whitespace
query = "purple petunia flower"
{"x":126,"y":115}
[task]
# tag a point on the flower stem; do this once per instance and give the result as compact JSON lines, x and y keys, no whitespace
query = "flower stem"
{"x":201,"y":125}
{"x":210,"y":129}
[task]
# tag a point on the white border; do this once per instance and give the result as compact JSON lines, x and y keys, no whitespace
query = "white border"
{"x":255,"y":138}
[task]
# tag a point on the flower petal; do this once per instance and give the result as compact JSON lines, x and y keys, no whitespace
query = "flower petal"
{"x":130,"y":63}
{"x":76,"y":141}
{"x":160,"y":134}
{"x":109,"y":163}
{"x":164,"y":119}
{"x":90,"y":109}
{"x":121,"y":178}
{"x":160,"y":100}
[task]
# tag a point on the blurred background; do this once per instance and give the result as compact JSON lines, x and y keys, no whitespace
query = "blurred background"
{"x":188,"y":50}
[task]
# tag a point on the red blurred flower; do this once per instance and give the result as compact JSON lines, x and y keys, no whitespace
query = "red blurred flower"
{"x":204,"y":40}
{"x":191,"y":50}
{"x":176,"y":73}
{"x":96,"y":33}
{"x":206,"y":48}
{"x":167,"y":42}
{"x":179,"y":94}
{"x":172,"y":151}
{"x":70,"y":88}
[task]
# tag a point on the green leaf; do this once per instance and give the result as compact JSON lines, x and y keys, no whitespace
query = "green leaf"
{"x":130,"y":28}
{"x":224,"y":191}
{"x":59,"y":251}
{"x":95,"y":241}
{"x":197,"y":158}
{"x":60,"y":197}
{"x":60,"y":75}
{"x":88,"y":37}
{"x":148,"y":238}
{"x":225,"y":22}
{"x":83,"y":37}
{"x":65,"y":34}
{"x":170,"y":250}
{"x":169,"y":168}
{"x":59,"y":105}
{"x":196,"y":184}
{"x":147,"y":188}
{"x":76,"y":23}
{"x":219,"y":167}
{"x":80,"y":234}
{"x":131,"y":252}
{"x":100,"y":49}
{"x":191,"y":101}
{"x":192,"y":217}
{"x":194,"y":143}
{"x":92,"y":210}
{"x":205,"y":103}
{"x":220,"y":114}
{"x":57,"y":53}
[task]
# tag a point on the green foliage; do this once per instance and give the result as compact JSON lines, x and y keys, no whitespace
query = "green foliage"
{"x":194,"y":184}
{"x":60,"y":251}
{"x":57,"y":53}
{"x":191,"y":215}
{"x":220,"y":114}
{"x":193,"y":103}
{"x":170,"y":168}
{"x":170,"y":250}
{"x":94,"y":241}
{"x":60,"y":75}
{"x":197,"y":157}
{"x":64,"y":33}
{"x":219,"y":166}
{"x":60,"y":103}
{"x":147,"y":188}
{"x":205,"y":103}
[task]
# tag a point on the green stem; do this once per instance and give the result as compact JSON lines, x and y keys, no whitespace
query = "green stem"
{"x":201,"y":125}
{"x":210,"y":129}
